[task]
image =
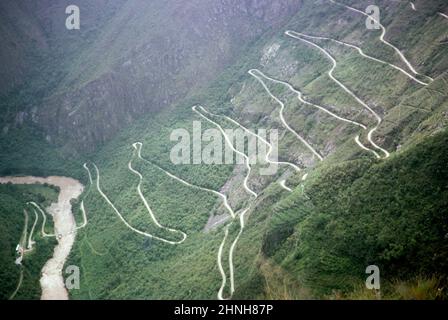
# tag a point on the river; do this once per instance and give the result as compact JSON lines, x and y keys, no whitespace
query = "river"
{"x":52,"y":281}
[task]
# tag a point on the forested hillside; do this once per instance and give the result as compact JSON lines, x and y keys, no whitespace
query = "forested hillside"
{"x":362,"y":178}
{"x":13,"y":227}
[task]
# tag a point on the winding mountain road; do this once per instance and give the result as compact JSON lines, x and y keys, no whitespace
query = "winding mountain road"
{"x":25,"y":231}
{"x":301,"y":99}
{"x":44,"y":216}
{"x":359,"y":100}
{"x":30,"y":238}
{"x":84,"y":217}
{"x":443,"y":15}
{"x":360,"y":51}
{"x":148,"y":208}
{"x":22,"y":241}
{"x":358,"y":142}
{"x":52,"y":281}
{"x":283,"y":185}
{"x":88,"y":173}
{"x":220,"y":267}
{"x":138,"y":146}
{"x":383,"y":34}
{"x":252,"y":72}
{"x":19,"y":284}
{"x":267,"y":155}
{"x":229,"y":142}
{"x":18,"y":261}
{"x":145,"y":234}
{"x":232,"y":248}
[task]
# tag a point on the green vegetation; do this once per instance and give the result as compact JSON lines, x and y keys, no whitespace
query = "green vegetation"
{"x":391,"y":214}
{"x":36,"y":157}
{"x":317,"y":241}
{"x":352,"y":211}
{"x":12,"y":203}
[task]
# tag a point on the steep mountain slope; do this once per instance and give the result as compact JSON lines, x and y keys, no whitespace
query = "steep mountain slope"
{"x":129,"y":57}
{"x":363,"y":117}
{"x":278,"y":225}
{"x":391,"y":214}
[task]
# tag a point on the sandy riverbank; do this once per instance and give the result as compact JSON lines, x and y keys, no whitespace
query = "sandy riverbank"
{"x":52,"y":281}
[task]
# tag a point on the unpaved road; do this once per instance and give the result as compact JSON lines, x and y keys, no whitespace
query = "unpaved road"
{"x":301,"y":99}
{"x":44,"y":222}
{"x":25,"y":231}
{"x":300,"y":37}
{"x":30,"y":238}
{"x":282,"y":118}
{"x":220,"y":267}
{"x":145,"y":234}
{"x":269,"y":145}
{"x":84,"y":217}
{"x":51,"y":281}
{"x":229,"y":142}
{"x":359,"y":143}
{"x":245,"y":184}
{"x":383,"y":34}
{"x":439,"y":13}
{"x":148,"y":208}
{"x":138,"y":146}
{"x":283,"y":185}
{"x":19,"y":284}
{"x":232,"y":248}
{"x":362,"y":53}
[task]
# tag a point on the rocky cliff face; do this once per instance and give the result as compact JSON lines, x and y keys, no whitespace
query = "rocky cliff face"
{"x":128,"y":59}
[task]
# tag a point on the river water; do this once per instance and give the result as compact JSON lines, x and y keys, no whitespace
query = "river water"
{"x":52,"y":281}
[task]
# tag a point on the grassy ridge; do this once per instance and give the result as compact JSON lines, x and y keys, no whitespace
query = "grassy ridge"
{"x":390,"y":214}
